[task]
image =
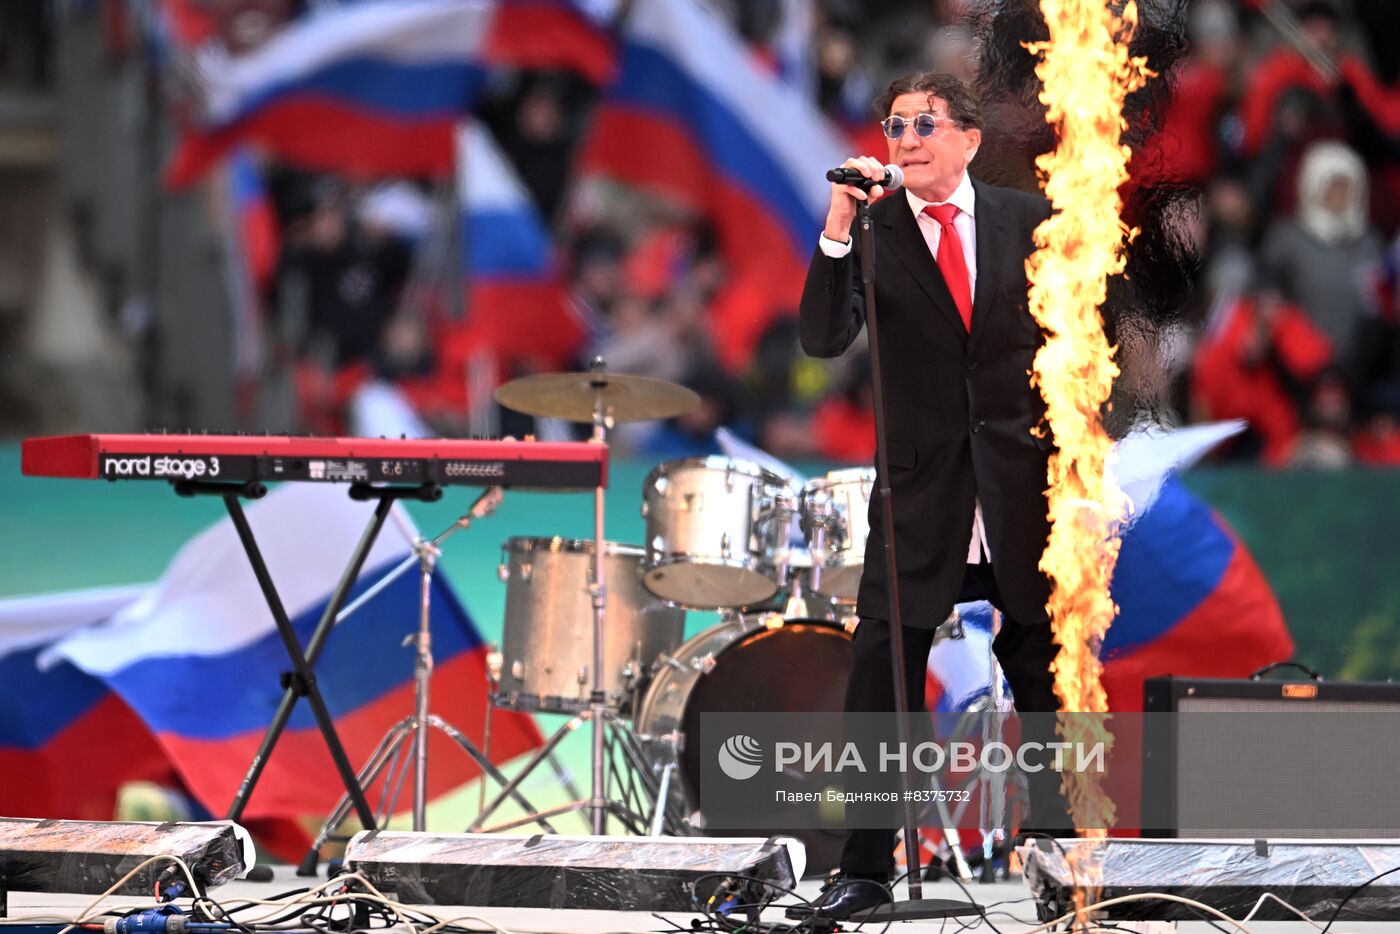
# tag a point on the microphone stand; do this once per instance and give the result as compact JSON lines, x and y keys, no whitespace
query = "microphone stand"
{"x":916,"y":907}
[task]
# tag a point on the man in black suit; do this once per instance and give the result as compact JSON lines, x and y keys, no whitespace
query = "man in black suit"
{"x":967,"y":471}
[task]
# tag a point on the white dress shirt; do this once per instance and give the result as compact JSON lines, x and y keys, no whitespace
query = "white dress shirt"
{"x":966,"y":225}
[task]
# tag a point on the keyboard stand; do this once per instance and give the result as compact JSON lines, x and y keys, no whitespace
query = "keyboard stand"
{"x":301,"y":680}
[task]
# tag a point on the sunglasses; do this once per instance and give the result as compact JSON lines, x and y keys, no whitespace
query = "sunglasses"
{"x":924,"y":125}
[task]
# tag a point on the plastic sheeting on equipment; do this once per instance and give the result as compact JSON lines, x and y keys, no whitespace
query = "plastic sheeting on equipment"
{"x":1229,"y":875}
{"x":553,"y":871}
{"x":88,"y":857}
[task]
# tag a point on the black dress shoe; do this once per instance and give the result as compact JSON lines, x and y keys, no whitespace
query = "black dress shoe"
{"x":843,"y":896}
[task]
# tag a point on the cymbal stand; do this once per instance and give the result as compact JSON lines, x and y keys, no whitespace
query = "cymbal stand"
{"x":597,"y":714}
{"x":598,"y":592}
{"x":388,"y":755}
{"x":822,"y":521}
{"x":790,"y":578}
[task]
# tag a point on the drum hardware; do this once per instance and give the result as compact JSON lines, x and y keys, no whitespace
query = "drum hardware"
{"x":658,"y":818}
{"x":835,"y":519}
{"x":993,"y":785}
{"x":494,"y":660}
{"x":388,"y":758}
{"x":635,"y":674}
{"x":602,"y":399}
{"x":667,"y":660}
{"x":821,"y":522}
{"x":795,"y":576}
{"x":621,"y":744}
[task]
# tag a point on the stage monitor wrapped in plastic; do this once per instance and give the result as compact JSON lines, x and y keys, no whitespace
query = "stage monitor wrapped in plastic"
{"x":1231,"y":876}
{"x":87,"y":857}
{"x":553,"y":871}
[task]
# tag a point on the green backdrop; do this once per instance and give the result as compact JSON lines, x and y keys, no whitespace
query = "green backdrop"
{"x":1328,"y":542}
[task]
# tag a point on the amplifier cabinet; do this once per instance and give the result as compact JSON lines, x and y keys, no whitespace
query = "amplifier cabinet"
{"x":1270,"y":759}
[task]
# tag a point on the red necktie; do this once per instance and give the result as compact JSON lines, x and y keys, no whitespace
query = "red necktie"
{"x":951,"y":261}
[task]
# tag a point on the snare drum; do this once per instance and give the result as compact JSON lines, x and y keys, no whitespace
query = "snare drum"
{"x":547,"y":643}
{"x":745,"y":664}
{"x":836,"y":521}
{"x":713,"y":525}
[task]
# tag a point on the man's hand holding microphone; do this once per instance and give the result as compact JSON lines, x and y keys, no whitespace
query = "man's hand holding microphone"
{"x":859,"y":178}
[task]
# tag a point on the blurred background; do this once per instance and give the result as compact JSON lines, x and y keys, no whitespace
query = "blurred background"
{"x":165,"y":265}
{"x":287,"y":216}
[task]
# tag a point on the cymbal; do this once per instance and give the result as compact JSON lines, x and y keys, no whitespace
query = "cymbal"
{"x":570,"y":396}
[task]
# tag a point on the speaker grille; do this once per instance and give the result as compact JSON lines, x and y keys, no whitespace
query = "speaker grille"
{"x":1320,"y":768}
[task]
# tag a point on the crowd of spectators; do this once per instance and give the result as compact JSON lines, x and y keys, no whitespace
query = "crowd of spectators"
{"x":1296,"y":149}
{"x":1285,"y":117}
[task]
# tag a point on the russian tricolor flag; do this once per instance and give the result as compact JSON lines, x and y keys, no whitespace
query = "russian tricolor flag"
{"x":198,"y":658}
{"x":375,"y":88}
{"x":67,"y":743}
{"x":517,"y":303}
{"x":693,"y":116}
{"x":1191,"y":599}
{"x":518,"y":309}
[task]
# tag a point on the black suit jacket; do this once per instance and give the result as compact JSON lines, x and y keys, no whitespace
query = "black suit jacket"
{"x":959,"y":407}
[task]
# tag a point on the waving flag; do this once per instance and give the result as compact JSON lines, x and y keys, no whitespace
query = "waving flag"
{"x":693,"y":116}
{"x":518,"y":310}
{"x":67,"y":743}
{"x":1192,"y":601}
{"x":376,"y":87}
{"x":553,"y":34}
{"x":198,"y":658}
{"x":517,"y":301}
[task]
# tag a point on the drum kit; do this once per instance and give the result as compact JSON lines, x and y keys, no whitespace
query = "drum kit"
{"x":779,"y":561}
{"x":594,"y":629}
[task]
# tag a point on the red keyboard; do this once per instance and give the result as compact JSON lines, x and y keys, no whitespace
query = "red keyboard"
{"x":242,"y":458}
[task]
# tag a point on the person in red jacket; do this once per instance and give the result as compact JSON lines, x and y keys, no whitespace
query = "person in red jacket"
{"x":1257,"y":363}
{"x":1287,"y":69}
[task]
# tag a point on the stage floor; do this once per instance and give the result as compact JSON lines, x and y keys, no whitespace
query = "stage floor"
{"x":1012,"y":912}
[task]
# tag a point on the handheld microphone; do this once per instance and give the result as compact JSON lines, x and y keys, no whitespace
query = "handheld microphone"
{"x":894,"y":178}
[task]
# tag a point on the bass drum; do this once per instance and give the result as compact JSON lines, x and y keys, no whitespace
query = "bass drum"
{"x":745,"y":664}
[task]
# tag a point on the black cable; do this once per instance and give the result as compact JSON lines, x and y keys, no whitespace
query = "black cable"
{"x":206,"y":899}
{"x":723,"y":923}
{"x":272,"y":898}
{"x":973,"y":902}
{"x":1341,"y":904}
{"x":282,"y":919}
